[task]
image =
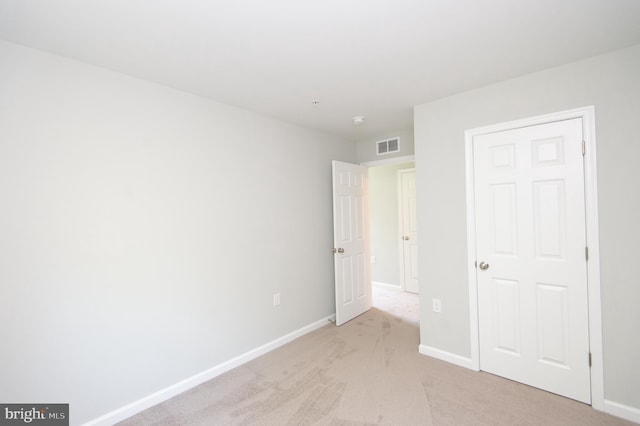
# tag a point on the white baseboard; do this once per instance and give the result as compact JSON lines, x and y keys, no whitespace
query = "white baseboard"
{"x":447,"y":356}
{"x":387,"y":286}
{"x":614,"y":408}
{"x":624,"y":411}
{"x":193,"y":381}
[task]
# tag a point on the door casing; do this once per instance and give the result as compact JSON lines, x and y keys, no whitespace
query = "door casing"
{"x":591,"y":212}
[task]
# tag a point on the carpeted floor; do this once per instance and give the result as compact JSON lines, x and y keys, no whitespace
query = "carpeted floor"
{"x":366,"y":372}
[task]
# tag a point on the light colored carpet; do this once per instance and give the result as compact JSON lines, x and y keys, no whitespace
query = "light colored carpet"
{"x":365,"y":372}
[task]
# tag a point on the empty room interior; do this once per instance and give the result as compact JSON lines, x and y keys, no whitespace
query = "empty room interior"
{"x":292,"y":212}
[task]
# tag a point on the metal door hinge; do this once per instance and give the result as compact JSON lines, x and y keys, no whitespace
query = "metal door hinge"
{"x":584,"y":147}
{"x":586,"y":253}
{"x":590,"y":363}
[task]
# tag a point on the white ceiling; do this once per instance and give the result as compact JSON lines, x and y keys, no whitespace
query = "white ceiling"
{"x":376,"y":58}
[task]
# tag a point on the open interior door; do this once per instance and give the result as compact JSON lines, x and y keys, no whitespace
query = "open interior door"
{"x":351,"y":240}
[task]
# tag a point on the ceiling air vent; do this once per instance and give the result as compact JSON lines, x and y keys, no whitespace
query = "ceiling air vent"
{"x":388,"y":146}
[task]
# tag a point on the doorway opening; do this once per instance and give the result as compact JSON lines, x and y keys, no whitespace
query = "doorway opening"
{"x":352,"y":242}
{"x":392,"y":230}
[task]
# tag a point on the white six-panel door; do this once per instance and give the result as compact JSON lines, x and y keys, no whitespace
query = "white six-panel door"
{"x":408,"y":229}
{"x":530,"y":246}
{"x":351,"y":241}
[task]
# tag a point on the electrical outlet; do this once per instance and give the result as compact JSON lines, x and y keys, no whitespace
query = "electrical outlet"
{"x":276,"y":299}
{"x":437,"y":305}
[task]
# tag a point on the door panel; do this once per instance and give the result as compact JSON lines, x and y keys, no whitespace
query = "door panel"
{"x":507,"y":315}
{"x":504,"y":219}
{"x":549,"y":219}
{"x":351,"y":241}
{"x":530,"y":230}
{"x":552,"y":323}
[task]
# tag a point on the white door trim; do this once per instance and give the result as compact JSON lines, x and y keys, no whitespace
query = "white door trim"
{"x":591,"y":209}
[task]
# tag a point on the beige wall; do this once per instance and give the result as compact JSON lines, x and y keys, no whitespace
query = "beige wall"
{"x":612,"y":84}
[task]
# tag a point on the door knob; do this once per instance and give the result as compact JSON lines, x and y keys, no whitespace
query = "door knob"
{"x":338,"y":250}
{"x":484,"y":265}
{"x":406,"y":238}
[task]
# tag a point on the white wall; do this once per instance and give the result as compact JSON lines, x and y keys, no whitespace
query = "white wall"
{"x":610,"y":82}
{"x":385,"y":223}
{"x":144,"y":231}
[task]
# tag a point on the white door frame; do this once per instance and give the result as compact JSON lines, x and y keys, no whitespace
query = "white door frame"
{"x":591,"y":210}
